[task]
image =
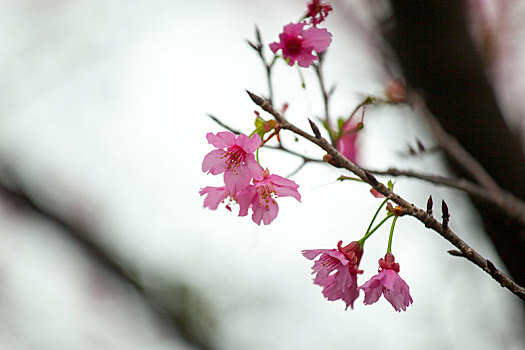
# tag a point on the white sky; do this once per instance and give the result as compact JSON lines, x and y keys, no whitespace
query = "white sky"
{"x":104,"y":113}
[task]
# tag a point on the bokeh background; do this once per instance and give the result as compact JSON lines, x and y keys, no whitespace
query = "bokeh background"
{"x":103,"y":121}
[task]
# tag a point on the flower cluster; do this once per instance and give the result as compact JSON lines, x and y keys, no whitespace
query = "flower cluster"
{"x":337,"y":269}
{"x":298,"y":43}
{"x":317,"y":11}
{"x":245,"y":182}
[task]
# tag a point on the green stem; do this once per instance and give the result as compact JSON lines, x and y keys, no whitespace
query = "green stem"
{"x":257,"y":156}
{"x":362,"y":240}
{"x":375,"y":215}
{"x":389,"y":249}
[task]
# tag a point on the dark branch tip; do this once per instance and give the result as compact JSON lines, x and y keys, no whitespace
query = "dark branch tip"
{"x":430,"y":204}
{"x":315,"y":129}
{"x":256,"y":99}
{"x":371,"y":178}
{"x":455,"y":252}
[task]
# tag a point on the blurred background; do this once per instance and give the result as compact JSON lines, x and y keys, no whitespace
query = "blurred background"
{"x":104,"y":242}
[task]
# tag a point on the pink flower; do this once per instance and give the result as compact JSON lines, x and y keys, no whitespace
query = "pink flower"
{"x":216,"y":195}
{"x":336,"y":271}
{"x":234,"y":157}
{"x":388,"y":283}
{"x":297,"y":44}
{"x":317,"y":11}
{"x":347,"y":143}
{"x":262,"y":194}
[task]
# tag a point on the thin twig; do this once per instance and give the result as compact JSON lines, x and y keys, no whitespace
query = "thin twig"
{"x":326,"y":95}
{"x":227,"y":127}
{"x":259,"y":48}
{"x":454,"y":149}
{"x":279,"y":147}
{"x":410,"y":209}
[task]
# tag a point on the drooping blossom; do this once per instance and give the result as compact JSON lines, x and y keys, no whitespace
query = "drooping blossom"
{"x":216,"y":195}
{"x":347,"y":143}
{"x":261,"y":197}
{"x":317,"y":11}
{"x":389,"y":284}
{"x":336,"y":271}
{"x":297,"y":43}
{"x":234,"y":157}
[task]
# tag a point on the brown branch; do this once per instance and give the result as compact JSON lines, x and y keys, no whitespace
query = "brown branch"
{"x":410,"y":209}
{"x":512,"y":206}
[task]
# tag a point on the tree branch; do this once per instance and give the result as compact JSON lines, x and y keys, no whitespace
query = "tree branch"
{"x":512,"y":206}
{"x":410,"y":209}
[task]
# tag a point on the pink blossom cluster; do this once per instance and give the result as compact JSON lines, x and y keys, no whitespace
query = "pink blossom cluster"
{"x":337,"y":269}
{"x":297,"y":43}
{"x":245,"y":182}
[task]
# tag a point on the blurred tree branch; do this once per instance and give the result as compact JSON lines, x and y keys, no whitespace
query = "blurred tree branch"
{"x":174,"y":317}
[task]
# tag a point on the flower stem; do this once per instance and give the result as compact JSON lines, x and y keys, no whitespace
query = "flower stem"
{"x":389,"y":249}
{"x":375,"y":215}
{"x":362,"y":240}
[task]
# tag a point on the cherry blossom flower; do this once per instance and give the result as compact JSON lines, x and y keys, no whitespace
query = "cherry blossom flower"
{"x":262,"y":194}
{"x":317,"y":11}
{"x":234,"y":157}
{"x":347,"y":143}
{"x":336,"y":271}
{"x":216,"y":195}
{"x":389,"y":284}
{"x":297,"y":43}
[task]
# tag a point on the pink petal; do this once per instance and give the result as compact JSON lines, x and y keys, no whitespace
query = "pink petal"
{"x":255,"y":170}
{"x":397,"y":291}
{"x":275,"y":47}
{"x":270,"y":213}
{"x":236,"y":179}
{"x":214,"y":162}
{"x":215,"y":195}
{"x":305,"y":59}
{"x":245,"y":198}
{"x":347,"y":145}
{"x":317,"y":39}
{"x":223,"y":139}
{"x":373,"y":289}
{"x":310,"y":254}
{"x":351,"y":293}
{"x":286,"y":191}
{"x":257,"y":215}
{"x":292,"y":29}
{"x":249,"y":145}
